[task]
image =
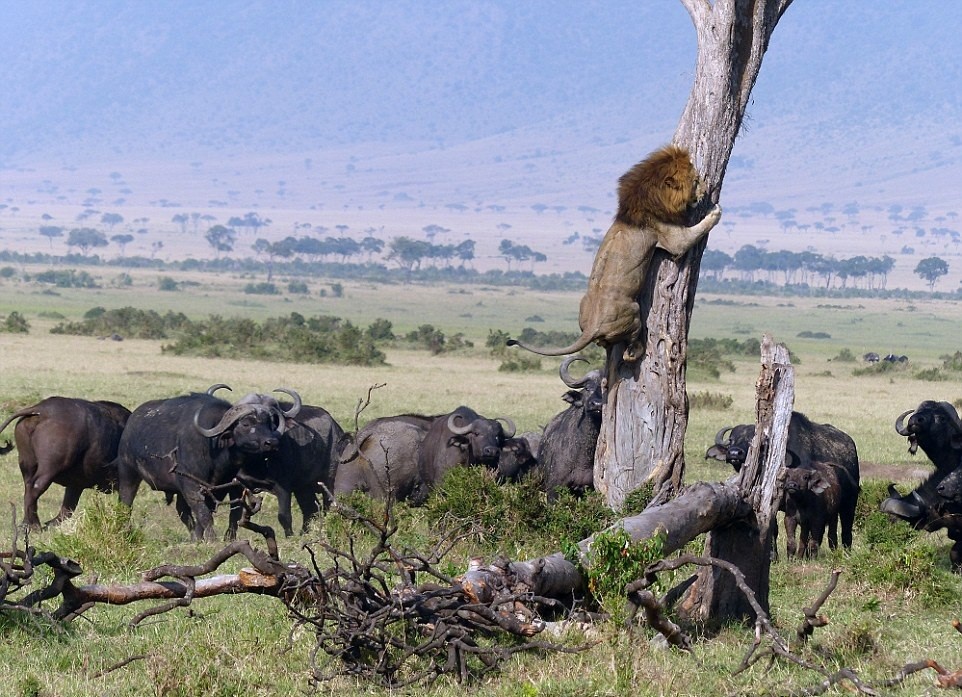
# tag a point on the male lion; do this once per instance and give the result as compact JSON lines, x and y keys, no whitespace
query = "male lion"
{"x":653,"y":201}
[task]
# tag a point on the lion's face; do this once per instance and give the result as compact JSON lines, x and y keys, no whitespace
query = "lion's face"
{"x":662,"y":187}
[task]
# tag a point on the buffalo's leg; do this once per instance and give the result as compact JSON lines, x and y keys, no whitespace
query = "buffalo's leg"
{"x":31,"y":493}
{"x":307,"y":502}
{"x":791,"y":525}
{"x":71,"y":497}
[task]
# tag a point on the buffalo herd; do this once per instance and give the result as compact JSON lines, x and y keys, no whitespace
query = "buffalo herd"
{"x":201,"y":451}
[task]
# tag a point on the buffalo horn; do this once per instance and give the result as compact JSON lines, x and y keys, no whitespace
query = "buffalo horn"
{"x":218,"y":386}
{"x":899,"y":428}
{"x":458,"y":430}
{"x":509,"y":429}
{"x":292,"y":412}
{"x":721,"y":439}
{"x":566,"y":376}
{"x":235,"y":413}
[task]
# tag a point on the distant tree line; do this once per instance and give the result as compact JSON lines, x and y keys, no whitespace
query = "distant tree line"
{"x":752,"y":263}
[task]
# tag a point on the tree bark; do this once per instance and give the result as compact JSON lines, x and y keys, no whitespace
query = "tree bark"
{"x":747,"y":542}
{"x":646,"y":414}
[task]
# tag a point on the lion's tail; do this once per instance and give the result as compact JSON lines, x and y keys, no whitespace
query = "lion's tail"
{"x":579,"y":344}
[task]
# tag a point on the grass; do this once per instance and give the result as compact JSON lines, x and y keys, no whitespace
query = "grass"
{"x":881,"y":617}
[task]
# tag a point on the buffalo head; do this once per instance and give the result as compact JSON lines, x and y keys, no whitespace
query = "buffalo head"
{"x":481,"y":438}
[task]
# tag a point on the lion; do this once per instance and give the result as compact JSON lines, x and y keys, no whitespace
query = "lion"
{"x":654,"y":198}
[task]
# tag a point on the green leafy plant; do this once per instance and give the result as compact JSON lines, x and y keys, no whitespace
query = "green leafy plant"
{"x":616,"y":561}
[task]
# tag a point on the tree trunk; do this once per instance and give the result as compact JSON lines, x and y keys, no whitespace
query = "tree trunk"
{"x":747,"y":542}
{"x":646,"y":415}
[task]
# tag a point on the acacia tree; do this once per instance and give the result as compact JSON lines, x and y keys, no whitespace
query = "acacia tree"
{"x":931,"y":270}
{"x":646,"y":414}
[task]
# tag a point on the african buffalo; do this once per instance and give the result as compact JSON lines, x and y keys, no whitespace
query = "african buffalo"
{"x":462,"y":437}
{"x":304,"y":463}
{"x":189,"y":445}
{"x":936,"y":428}
{"x":808,"y":443}
{"x":566,"y":457}
{"x":815,"y":495}
{"x":382,"y":460}
{"x":66,"y":441}
{"x":519,"y":455}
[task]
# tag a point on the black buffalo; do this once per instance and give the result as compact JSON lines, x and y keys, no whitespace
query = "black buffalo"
{"x":519,"y":455}
{"x":66,"y":441}
{"x":462,"y":437}
{"x":808,"y":443}
{"x":191,"y":447}
{"x":382,"y":460}
{"x":566,"y":455}
{"x":934,"y":427}
{"x":303,"y":465}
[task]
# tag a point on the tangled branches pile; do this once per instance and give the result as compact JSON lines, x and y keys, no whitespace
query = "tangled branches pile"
{"x":393,"y":617}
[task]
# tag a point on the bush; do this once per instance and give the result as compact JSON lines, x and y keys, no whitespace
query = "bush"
{"x":15,"y":323}
{"x":69,"y":278}
{"x":320,"y":339}
{"x":515,"y":514}
{"x":337,"y":290}
{"x":520,"y":363}
{"x":845,"y":356}
{"x":710,"y":400}
{"x":7,"y":272}
{"x":167,"y":283}
{"x":297,"y":288}
{"x":616,"y":561}
{"x":126,"y":321}
{"x":261,"y":289}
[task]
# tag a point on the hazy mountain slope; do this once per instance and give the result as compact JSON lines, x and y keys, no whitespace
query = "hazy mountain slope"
{"x":470,"y":114}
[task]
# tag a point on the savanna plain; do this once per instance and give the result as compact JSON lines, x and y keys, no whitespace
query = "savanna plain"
{"x":894,"y":604}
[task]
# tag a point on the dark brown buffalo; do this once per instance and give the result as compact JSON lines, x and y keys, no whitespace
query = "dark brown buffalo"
{"x":66,"y":441}
{"x":382,"y":460}
{"x":936,"y":428}
{"x":808,"y":443}
{"x":566,"y":455}
{"x":191,"y":447}
{"x":815,"y":496}
{"x":462,"y":437}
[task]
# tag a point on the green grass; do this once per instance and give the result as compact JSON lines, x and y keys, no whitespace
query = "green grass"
{"x":881,"y":617}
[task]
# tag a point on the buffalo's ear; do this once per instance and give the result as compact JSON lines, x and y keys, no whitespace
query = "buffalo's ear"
{"x":225,"y":440}
{"x":818,"y":484}
{"x":717,"y":452}
{"x":460,"y":442}
{"x":572,"y":397}
{"x":956,"y":440}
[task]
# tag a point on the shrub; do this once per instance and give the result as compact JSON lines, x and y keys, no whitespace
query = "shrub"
{"x":261,"y":289}
{"x":127,"y":321}
{"x":520,"y":363}
{"x":68,"y":278}
{"x":931,"y":375}
{"x":297,"y":288}
{"x":515,"y":514}
{"x":426,"y":336}
{"x":616,"y":561}
{"x":337,"y":290}
{"x":7,"y":272}
{"x":320,"y":339}
{"x":167,"y":283}
{"x":710,"y":400}
{"x":845,"y":356}
{"x":15,"y":323}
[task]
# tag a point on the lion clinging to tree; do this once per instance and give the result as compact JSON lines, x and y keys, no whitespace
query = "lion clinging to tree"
{"x":654,"y":198}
